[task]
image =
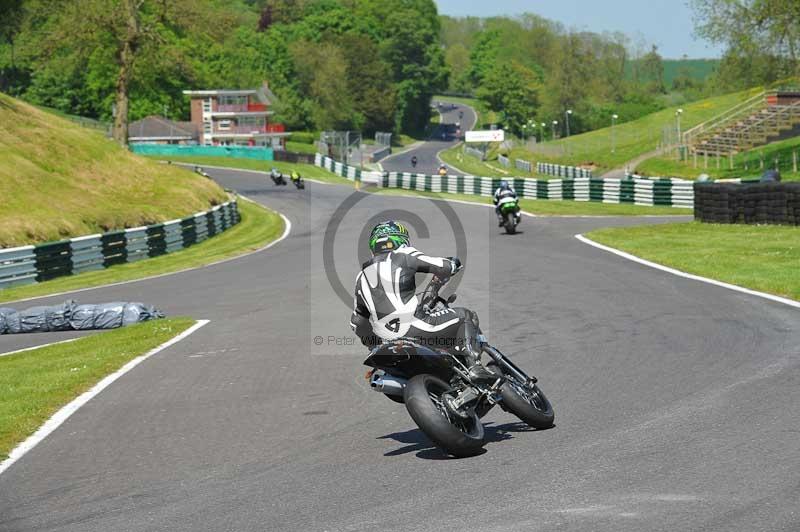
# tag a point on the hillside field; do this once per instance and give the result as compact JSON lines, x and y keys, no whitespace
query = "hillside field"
{"x":60,"y":180}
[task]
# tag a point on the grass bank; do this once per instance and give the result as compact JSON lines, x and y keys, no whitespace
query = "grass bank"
{"x":258,"y":227}
{"x":60,"y":180}
{"x":609,"y":148}
{"x":470,"y":165}
{"x":549,"y":207}
{"x":35,"y":384}
{"x":746,"y":164}
{"x":760,"y":257}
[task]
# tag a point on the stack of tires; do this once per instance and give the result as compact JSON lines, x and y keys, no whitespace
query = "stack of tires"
{"x":793,"y":203}
{"x":750,"y":203}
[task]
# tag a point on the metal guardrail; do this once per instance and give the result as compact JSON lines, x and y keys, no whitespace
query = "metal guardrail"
{"x":557,"y":170}
{"x":523,"y":165}
{"x":32,"y":264}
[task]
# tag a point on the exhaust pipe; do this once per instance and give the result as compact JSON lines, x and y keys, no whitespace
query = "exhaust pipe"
{"x":388,"y":384}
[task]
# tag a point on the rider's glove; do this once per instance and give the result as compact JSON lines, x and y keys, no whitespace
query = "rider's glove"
{"x":455,"y":265}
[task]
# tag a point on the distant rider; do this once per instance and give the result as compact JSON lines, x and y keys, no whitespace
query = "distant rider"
{"x":505,"y":193}
{"x":277,"y":177}
{"x":414,"y":161}
{"x":386,"y":306}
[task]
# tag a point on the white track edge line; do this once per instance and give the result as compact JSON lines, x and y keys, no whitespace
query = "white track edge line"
{"x":70,"y":408}
{"x":286,"y":230}
{"x":24,"y":349}
{"x":679,"y":273}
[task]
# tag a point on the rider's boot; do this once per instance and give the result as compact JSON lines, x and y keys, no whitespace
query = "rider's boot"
{"x":477,"y":371}
{"x":500,"y":220}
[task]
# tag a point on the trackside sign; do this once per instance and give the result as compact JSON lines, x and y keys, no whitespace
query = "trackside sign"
{"x":494,"y":135}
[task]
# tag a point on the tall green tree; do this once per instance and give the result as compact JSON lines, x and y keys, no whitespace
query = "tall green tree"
{"x":511,"y":90}
{"x":757,"y":33}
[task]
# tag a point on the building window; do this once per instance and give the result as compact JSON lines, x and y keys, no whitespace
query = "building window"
{"x":224,"y":124}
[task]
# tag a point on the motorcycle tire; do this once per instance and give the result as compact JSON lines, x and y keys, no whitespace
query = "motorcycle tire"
{"x":511,"y":227}
{"x":460,"y":438}
{"x":528,"y":403}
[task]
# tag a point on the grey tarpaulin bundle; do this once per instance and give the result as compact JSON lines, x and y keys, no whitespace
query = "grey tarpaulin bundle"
{"x":71,"y":316}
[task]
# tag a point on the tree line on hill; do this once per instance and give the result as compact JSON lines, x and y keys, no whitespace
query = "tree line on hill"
{"x":527,"y":68}
{"x":363,"y":65}
{"x":369,"y":65}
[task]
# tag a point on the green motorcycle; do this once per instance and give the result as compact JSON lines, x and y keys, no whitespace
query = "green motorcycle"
{"x":509,"y":211}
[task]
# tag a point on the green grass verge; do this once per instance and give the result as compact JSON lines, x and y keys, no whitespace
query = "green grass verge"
{"x":258,"y":227}
{"x":490,"y":168}
{"x":306,"y":170}
{"x":548,"y":207}
{"x":60,"y":180}
{"x":35,"y":384}
{"x":746,"y":164}
{"x":300,"y":147}
{"x":760,"y":257}
{"x":631,"y":139}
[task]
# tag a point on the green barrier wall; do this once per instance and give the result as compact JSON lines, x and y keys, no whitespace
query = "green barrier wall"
{"x":241,"y":152}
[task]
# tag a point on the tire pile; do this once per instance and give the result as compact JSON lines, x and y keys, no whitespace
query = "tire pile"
{"x":750,"y":203}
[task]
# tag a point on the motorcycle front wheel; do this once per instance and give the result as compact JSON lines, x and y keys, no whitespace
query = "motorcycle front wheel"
{"x":460,"y":437}
{"x":528,"y":403}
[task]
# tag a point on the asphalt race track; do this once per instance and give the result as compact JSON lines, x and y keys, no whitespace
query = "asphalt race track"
{"x":675,"y":400}
{"x":427,"y":153}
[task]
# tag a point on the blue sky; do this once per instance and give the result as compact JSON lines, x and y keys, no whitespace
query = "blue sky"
{"x":666,"y":23}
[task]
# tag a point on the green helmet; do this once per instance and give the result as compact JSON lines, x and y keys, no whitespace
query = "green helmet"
{"x":388,"y":236}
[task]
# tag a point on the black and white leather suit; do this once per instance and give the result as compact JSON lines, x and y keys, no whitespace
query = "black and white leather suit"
{"x":503,"y":195}
{"x":386,"y":305}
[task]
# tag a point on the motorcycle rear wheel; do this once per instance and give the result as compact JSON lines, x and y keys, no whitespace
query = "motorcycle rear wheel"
{"x":511,"y":227}
{"x":456,"y":436}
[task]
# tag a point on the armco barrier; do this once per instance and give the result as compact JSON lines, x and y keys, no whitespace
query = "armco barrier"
{"x":523,"y":165}
{"x":747,"y":203}
{"x":569,"y":172}
{"x":31,"y":264}
{"x":639,"y":191}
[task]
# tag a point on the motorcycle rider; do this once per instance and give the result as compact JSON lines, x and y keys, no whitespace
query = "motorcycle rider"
{"x":413,"y":161}
{"x":277,"y":177}
{"x":386,"y":306}
{"x":505,"y":193}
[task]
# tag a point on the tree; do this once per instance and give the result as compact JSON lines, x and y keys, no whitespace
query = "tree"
{"x":94,"y":33}
{"x":755,"y":31}
{"x":653,"y":70}
{"x":512,"y":91}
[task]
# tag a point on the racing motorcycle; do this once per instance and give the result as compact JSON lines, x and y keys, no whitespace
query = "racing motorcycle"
{"x":509,"y":211}
{"x":277,"y":177}
{"x":445,"y":402}
{"x":297,"y":181}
